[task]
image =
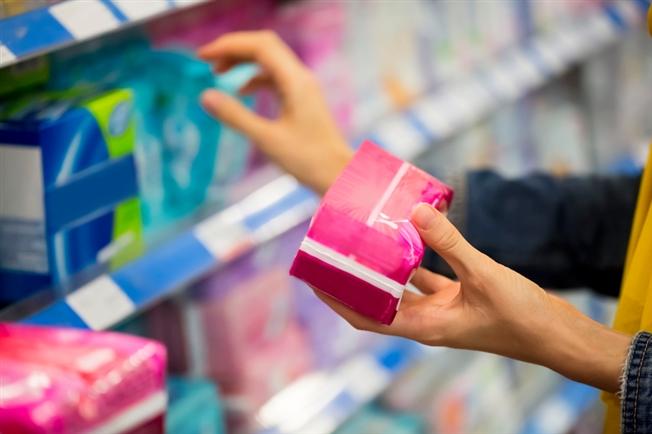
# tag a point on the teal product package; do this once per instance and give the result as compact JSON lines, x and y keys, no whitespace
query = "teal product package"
{"x":234,"y":150}
{"x":69,"y":188}
{"x":373,"y":419}
{"x":194,"y":407}
{"x":177,"y":140}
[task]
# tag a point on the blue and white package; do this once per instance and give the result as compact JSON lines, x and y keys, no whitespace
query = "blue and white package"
{"x":68,"y":188}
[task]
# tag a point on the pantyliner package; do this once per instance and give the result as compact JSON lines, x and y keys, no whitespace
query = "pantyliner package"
{"x":361,"y":248}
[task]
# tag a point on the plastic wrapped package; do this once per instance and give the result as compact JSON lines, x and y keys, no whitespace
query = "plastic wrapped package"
{"x":361,"y":248}
{"x":194,"y":408}
{"x":253,"y":341}
{"x":93,"y":382}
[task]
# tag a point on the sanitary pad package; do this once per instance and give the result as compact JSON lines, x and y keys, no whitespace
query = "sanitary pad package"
{"x":361,"y":248}
{"x":68,"y":186}
{"x":93,"y":382}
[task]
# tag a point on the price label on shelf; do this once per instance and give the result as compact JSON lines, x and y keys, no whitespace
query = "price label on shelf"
{"x":432,"y":113}
{"x":364,"y":377}
{"x":101,"y":303}
{"x":6,"y":56}
{"x":224,"y":234}
{"x":401,"y":137}
{"x":84,"y":18}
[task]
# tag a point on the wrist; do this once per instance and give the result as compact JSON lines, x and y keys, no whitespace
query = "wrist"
{"x":580,"y":348}
{"x":338,"y":162}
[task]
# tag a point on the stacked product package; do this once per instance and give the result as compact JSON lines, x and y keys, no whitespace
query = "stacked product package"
{"x":58,"y":380}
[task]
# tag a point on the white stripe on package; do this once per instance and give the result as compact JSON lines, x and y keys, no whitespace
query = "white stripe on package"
{"x":336,"y":259}
{"x":387,"y":193}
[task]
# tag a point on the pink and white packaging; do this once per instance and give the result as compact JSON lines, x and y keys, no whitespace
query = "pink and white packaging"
{"x":58,"y":381}
{"x":361,"y":248}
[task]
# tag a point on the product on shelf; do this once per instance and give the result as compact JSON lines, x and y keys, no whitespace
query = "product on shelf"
{"x":194,"y":407}
{"x":177,"y":140}
{"x":373,"y":419}
{"x":69,"y":188}
{"x":61,"y":381}
{"x":184,"y":156}
{"x":253,"y":342}
{"x":361,"y":247}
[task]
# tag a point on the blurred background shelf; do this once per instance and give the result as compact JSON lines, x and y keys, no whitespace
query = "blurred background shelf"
{"x":45,"y":29}
{"x":465,"y":100}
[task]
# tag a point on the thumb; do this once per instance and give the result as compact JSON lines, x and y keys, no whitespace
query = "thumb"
{"x":440,"y":234}
{"x":233,"y":113}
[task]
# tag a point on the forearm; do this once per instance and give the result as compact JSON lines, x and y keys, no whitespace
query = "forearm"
{"x":574,"y":345}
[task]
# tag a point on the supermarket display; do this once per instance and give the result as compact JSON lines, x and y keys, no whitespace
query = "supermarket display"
{"x":361,"y":248}
{"x":148,"y":217}
{"x":69,"y":188}
{"x":93,"y":382}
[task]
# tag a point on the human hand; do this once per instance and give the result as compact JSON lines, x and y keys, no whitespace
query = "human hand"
{"x":494,"y":309}
{"x":304,"y":140}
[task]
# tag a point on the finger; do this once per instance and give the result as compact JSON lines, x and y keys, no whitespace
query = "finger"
{"x":404,"y":323}
{"x":261,"y":81}
{"x":233,"y":113}
{"x":264,"y":47}
{"x":430,"y":283}
{"x":440,"y":234}
{"x":358,"y":321}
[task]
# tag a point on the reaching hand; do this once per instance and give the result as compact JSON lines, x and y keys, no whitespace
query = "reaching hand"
{"x":304,"y":139}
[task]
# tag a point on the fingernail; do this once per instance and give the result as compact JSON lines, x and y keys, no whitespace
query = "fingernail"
{"x":423,"y":216}
{"x":210,"y":99}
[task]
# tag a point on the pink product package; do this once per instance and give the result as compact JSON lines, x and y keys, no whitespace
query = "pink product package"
{"x":361,"y":248}
{"x":249,"y":321}
{"x":59,"y":380}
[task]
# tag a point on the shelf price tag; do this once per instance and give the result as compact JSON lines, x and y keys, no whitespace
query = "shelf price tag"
{"x":6,"y":56}
{"x":84,"y":18}
{"x":101,"y":303}
{"x":224,"y":234}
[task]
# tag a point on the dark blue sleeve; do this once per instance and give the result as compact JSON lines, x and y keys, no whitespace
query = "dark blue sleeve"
{"x":636,"y":399}
{"x":560,"y":232}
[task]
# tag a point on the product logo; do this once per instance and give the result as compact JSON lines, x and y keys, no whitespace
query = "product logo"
{"x":119,"y":119}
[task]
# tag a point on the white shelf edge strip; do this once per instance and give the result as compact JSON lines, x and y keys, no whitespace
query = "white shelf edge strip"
{"x":102,"y":302}
{"x":81,"y":20}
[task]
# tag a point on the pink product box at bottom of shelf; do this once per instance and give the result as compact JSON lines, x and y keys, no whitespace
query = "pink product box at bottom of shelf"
{"x":59,"y":380}
{"x":361,"y":248}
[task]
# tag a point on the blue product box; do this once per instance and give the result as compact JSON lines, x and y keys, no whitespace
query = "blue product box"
{"x":68,"y":188}
{"x":194,"y":407}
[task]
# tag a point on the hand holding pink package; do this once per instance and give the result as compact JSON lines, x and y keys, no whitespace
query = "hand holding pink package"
{"x":361,"y":248}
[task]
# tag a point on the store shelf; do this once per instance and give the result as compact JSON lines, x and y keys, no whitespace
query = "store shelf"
{"x":112,"y":297}
{"x":561,"y":411}
{"x":319,"y":402}
{"x":47,"y":29}
{"x":439,"y":116}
